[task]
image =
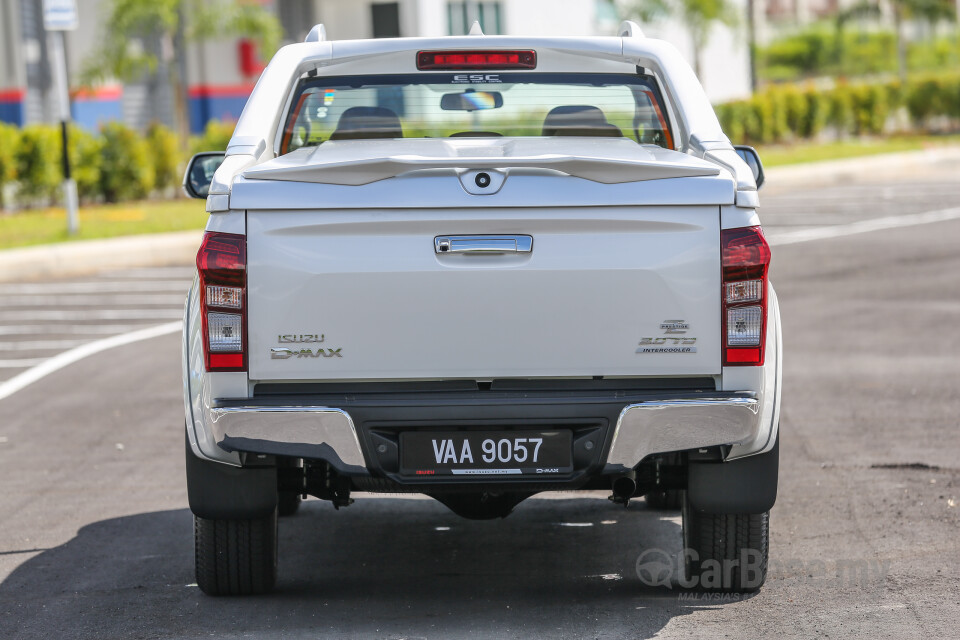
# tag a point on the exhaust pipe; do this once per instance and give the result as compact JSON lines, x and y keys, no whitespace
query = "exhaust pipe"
{"x":624,"y":488}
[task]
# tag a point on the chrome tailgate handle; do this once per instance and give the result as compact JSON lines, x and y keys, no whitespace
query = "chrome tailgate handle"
{"x":483,"y":244}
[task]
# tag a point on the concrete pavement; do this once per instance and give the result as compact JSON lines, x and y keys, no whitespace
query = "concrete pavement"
{"x":82,"y":257}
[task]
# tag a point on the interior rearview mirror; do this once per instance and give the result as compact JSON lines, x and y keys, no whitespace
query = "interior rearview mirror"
{"x":752,"y":158}
{"x":471,"y":100}
{"x":200,"y":170}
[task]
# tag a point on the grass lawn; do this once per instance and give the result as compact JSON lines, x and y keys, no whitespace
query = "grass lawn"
{"x":43,"y":226}
{"x":775,"y":155}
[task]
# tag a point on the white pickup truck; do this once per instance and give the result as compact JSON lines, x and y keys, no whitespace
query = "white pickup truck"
{"x":480,"y":268}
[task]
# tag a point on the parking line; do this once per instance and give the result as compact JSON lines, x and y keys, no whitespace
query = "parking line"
{"x":66,"y":358}
{"x":21,"y":364}
{"x":161,"y":313}
{"x":863,"y":226}
{"x":142,"y":300}
{"x":96,"y":286}
{"x":73,"y":329}
{"x":40,"y":345}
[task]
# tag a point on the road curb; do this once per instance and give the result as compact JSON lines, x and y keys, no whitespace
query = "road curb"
{"x":81,"y":257}
{"x":876,"y":168}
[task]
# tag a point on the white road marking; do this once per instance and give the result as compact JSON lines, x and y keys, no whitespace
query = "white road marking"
{"x":161,"y":299}
{"x":40,"y":345}
{"x":164,"y":299}
{"x":66,"y":358}
{"x":96,"y":286}
{"x":847,"y":194}
{"x":21,"y":364}
{"x":152,"y":272}
{"x":91,"y":314}
{"x":72,"y":329}
{"x":862,"y":226}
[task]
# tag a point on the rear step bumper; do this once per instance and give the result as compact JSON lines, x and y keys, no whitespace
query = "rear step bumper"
{"x":633,"y":426}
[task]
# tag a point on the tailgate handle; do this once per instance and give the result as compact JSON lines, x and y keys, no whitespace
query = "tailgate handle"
{"x":483,"y":244}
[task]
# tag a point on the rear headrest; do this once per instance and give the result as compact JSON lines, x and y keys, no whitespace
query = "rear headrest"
{"x":579,"y":120}
{"x":364,"y":123}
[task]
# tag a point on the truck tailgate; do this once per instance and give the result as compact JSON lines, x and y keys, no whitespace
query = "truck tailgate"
{"x":361,"y":294}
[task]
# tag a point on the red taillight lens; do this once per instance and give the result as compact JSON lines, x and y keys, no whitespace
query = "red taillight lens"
{"x":222,"y":265}
{"x":468,"y":60}
{"x":745,"y":256}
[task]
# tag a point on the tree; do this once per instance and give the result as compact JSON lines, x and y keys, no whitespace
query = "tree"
{"x":861,"y":10}
{"x":138,"y":35}
{"x":902,"y":11}
{"x":699,"y":16}
{"x":930,"y":11}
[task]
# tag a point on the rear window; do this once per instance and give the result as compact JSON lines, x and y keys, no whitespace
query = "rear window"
{"x":476,"y":104}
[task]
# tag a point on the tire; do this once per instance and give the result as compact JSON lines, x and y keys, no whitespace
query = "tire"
{"x":725,"y":553}
{"x":236,"y":557}
{"x":289,"y":503}
{"x":666,"y":500}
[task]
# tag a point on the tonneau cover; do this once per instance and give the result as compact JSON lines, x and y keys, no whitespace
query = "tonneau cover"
{"x":360,"y":162}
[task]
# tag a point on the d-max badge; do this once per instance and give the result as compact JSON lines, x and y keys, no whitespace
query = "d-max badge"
{"x":283,"y":354}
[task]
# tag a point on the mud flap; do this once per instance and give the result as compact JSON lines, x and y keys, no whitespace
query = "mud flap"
{"x":744,"y":486}
{"x":221,"y":492}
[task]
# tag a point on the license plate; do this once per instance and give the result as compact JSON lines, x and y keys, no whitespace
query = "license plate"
{"x":485,"y":453}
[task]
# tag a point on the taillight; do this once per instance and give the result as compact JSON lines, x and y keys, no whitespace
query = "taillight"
{"x":222,"y":264}
{"x":469,"y":60}
{"x":745,"y":255}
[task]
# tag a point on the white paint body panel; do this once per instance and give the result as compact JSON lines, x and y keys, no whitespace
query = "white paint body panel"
{"x":597,"y":281}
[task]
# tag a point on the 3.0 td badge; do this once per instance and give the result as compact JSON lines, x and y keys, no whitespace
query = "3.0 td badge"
{"x":673,"y":341}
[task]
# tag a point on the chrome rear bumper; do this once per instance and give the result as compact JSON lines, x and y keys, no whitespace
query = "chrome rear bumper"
{"x":642,"y":428}
{"x":313,"y":426}
{"x":679,"y":425}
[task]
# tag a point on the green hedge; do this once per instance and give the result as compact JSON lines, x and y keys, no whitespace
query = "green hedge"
{"x":215,"y":137}
{"x":826,"y":50}
{"x":126,"y":172}
{"x":114,"y":164}
{"x":9,"y":143}
{"x":782,"y":113}
{"x":86,"y":162}
{"x":38,"y":162}
{"x":167,"y":159}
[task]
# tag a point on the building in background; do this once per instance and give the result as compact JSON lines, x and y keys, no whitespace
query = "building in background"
{"x":221,"y":74}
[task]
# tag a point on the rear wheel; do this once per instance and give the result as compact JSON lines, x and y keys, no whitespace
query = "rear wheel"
{"x":236,"y":557}
{"x":725,"y":552}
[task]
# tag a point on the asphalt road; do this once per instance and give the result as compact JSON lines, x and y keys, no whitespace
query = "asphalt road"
{"x":96,"y":540}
